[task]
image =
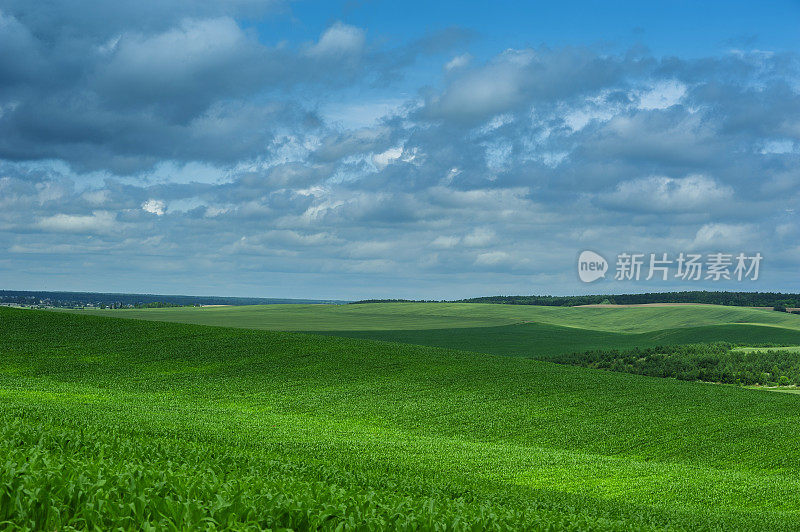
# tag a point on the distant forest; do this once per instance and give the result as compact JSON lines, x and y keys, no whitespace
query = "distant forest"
{"x":776,"y":300}
{"x":738,"y":299}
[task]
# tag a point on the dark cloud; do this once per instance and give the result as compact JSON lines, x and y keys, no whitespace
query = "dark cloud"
{"x":196,"y":85}
{"x":53,"y":21}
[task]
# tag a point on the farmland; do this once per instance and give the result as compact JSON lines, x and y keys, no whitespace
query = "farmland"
{"x":131,"y":423}
{"x":408,"y":316}
{"x":518,"y":330}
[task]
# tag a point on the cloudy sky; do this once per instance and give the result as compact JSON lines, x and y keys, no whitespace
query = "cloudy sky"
{"x":392,"y":149}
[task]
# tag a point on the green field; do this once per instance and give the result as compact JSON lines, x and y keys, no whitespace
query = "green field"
{"x":124,"y":423}
{"x":519,"y":330}
{"x":407,"y":316}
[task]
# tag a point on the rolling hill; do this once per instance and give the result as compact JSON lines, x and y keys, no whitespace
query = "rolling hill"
{"x":520,"y":330}
{"x":122,"y":423}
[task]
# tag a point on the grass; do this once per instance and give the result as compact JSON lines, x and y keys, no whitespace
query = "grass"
{"x":122,"y":423}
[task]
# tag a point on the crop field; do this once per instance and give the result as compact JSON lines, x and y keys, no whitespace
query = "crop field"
{"x":129,"y":423}
{"x":409,"y":316}
{"x":518,"y":330}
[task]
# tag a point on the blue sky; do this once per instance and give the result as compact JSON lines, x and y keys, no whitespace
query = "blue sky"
{"x":687,"y":29}
{"x":393,"y":149}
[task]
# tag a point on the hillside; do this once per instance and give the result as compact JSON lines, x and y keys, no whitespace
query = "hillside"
{"x":172,"y":423}
{"x":407,"y":316}
{"x":520,"y":330}
{"x":543,"y":341}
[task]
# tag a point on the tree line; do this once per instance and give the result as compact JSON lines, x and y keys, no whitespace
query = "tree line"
{"x":717,"y":362}
{"x":777,"y":300}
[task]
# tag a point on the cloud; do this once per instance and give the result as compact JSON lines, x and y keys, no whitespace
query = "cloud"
{"x":100,"y":20}
{"x":480,"y":237}
{"x":174,"y":91}
{"x":673,"y":136}
{"x":384,"y":158}
{"x":459,"y":61}
{"x":518,"y":77}
{"x":662,"y":194}
{"x":398,"y":169}
{"x":662,"y":95}
{"x":184,"y":69}
{"x":339,"y":41}
{"x":21,"y":57}
{"x":720,"y":236}
{"x":154,"y":206}
{"x":98,"y":222}
{"x":445,"y":242}
{"x":492,"y":89}
{"x":492,"y":258}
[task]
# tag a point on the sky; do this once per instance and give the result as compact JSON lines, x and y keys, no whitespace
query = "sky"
{"x":375,"y":149}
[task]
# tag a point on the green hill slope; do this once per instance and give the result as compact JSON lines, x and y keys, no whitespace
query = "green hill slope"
{"x":542,"y":341}
{"x":518,"y":330}
{"x":406,"y":316}
{"x":175,"y":424}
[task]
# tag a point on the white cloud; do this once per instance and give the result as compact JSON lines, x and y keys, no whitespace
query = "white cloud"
{"x":487,"y":91}
{"x":96,"y":197}
{"x":778,"y":147}
{"x":722,"y":236}
{"x":214,"y":211}
{"x":445,"y":242}
{"x":338,"y":41}
{"x":171,"y":59}
{"x":594,"y":108}
{"x":154,"y":206}
{"x":382,"y":159}
{"x":667,"y":194}
{"x":480,"y":237}
{"x":459,"y":61}
{"x":492,"y":258}
{"x":178,"y":206}
{"x":662,"y":95}
{"x":97,"y":222}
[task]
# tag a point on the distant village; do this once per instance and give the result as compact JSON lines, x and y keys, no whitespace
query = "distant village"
{"x":44,"y":303}
{"x":97,"y":300}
